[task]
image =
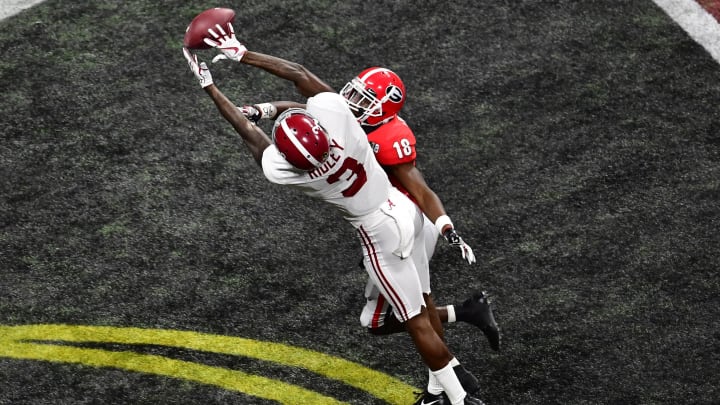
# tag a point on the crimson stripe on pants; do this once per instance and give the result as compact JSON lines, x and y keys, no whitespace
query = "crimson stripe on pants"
{"x":375,"y":263}
{"x":379,"y":305}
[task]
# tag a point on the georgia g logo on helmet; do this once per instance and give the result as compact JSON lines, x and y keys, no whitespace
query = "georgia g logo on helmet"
{"x":394,"y":93}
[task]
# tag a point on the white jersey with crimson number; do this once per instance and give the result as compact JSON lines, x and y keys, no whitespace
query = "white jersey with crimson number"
{"x":388,"y":224}
{"x":350,"y":178}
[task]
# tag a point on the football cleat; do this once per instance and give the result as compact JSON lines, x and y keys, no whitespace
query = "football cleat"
{"x":470,"y":400}
{"x":468,"y":381}
{"x":426,"y":398}
{"x":478,"y":312}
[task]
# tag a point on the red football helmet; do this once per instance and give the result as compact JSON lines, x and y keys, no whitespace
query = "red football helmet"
{"x":376,"y":95}
{"x":300,"y":139}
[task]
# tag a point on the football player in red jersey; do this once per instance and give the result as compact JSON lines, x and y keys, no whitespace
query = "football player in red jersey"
{"x":376,"y":96}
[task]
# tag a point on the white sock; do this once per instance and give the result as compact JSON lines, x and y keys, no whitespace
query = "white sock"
{"x":434,"y":387}
{"x":451,"y":385}
{"x":451,"y":313}
{"x":454,"y":362}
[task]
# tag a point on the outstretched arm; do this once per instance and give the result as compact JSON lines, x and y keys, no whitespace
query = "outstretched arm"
{"x":305,"y":81}
{"x":225,"y":41}
{"x":254,"y":138}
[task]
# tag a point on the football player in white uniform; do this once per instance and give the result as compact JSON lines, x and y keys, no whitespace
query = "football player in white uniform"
{"x":376,"y":96}
{"x":323,"y":151}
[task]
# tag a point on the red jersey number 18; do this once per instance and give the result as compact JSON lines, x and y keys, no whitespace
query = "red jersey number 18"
{"x":403,"y":148}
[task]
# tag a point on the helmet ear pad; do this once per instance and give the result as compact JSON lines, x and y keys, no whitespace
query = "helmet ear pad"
{"x":376,"y":95}
{"x":300,"y":139}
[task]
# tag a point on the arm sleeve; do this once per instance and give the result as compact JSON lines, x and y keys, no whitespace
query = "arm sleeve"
{"x":276,"y":169}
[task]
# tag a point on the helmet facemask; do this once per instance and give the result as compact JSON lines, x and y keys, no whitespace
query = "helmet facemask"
{"x":362,"y":101}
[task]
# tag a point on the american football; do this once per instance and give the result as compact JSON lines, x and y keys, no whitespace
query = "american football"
{"x":197,"y":31}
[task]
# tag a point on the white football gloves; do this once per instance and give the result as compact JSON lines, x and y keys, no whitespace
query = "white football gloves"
{"x":200,"y":70}
{"x":251,"y":113}
{"x":256,"y":112}
{"x":455,"y":240}
{"x":226,"y":43}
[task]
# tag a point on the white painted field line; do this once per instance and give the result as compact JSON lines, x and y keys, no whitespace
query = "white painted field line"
{"x":697,"y":22}
{"x":11,"y":7}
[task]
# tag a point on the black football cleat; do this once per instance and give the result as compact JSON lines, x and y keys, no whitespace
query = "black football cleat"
{"x":478,"y":312}
{"x":426,"y":398}
{"x":470,"y":400}
{"x":468,"y":381}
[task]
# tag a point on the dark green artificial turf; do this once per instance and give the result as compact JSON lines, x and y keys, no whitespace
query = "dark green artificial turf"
{"x":576,"y":145}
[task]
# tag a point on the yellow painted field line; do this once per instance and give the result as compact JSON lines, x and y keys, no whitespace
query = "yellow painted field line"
{"x":380,"y":385}
{"x":228,"y":379}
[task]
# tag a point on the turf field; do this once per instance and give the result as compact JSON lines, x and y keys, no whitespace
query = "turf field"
{"x":144,"y":259}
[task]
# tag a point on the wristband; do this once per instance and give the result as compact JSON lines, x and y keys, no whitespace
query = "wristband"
{"x":267,"y":110}
{"x":441,"y":222}
{"x":451,"y":313}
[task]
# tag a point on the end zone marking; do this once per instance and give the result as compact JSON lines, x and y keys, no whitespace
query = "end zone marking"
{"x":150,"y":364}
{"x":14,"y":344}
